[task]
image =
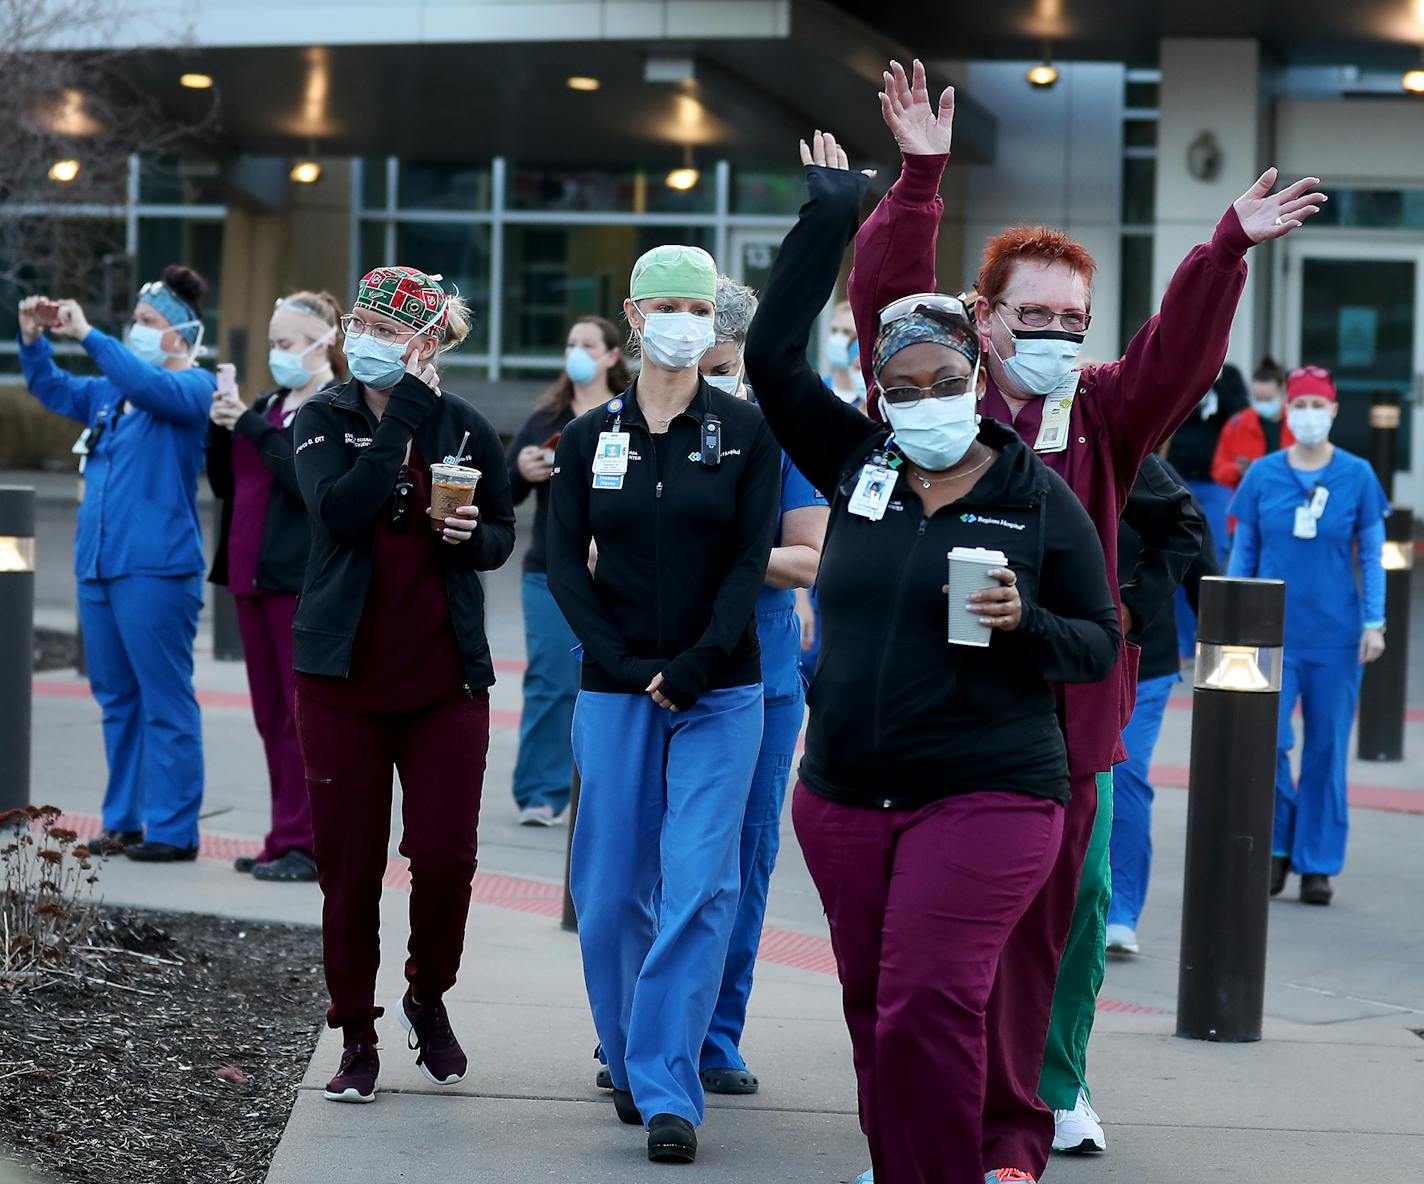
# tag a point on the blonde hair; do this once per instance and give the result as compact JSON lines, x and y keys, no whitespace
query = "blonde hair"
{"x":459,"y":320}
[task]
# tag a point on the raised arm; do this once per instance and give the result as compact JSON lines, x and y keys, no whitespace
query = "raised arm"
{"x":816,"y":429}
{"x":57,"y":389}
{"x":345,"y":498}
{"x":179,"y":396}
{"x":895,"y":249}
{"x":689,"y":674}
{"x":1175,"y":358}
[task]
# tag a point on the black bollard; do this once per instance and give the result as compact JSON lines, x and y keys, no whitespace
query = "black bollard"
{"x":1384,"y":442}
{"x":570,"y":921}
{"x":17,"y":641}
{"x":1383,"y":687}
{"x":1230,"y":808}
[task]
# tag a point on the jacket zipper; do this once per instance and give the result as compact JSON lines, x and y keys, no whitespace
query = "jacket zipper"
{"x":657,"y":538}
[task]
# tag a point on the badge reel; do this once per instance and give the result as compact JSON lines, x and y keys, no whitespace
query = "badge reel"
{"x":873,"y":490}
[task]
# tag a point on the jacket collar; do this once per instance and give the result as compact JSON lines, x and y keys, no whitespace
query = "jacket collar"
{"x":696,"y":410}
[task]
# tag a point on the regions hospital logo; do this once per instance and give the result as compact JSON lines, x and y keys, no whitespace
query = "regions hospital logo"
{"x":971,"y":519}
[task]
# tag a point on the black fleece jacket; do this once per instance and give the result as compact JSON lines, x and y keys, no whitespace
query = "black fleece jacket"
{"x":286,"y":536}
{"x":347,"y":462}
{"x":899,"y":716}
{"x":682,"y":548}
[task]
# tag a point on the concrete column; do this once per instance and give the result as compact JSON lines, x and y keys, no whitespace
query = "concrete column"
{"x":1214,"y":86}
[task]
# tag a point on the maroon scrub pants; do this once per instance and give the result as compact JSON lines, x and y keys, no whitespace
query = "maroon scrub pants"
{"x":265,"y":623}
{"x":439,"y":752}
{"x":920,"y":904}
{"x":1018,"y":1126}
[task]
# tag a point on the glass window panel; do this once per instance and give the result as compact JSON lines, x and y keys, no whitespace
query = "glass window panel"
{"x":1139,"y":197}
{"x":458,"y":252}
{"x":167,"y":180}
{"x":373,"y":247}
{"x":759,"y":191}
{"x":1141,"y":94}
{"x":555,"y":274}
{"x":373,"y":182}
{"x":1357,"y":320}
{"x":443,"y":186}
{"x":1135,"y":294}
{"x":1373,"y":208}
{"x":615,"y":189}
{"x":193,"y":242}
{"x":66,"y":258}
{"x":1139,"y":133}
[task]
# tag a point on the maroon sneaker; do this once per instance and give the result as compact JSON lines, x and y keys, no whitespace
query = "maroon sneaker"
{"x":355,"y":1080}
{"x":439,"y":1054}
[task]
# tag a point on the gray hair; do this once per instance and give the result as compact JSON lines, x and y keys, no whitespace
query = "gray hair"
{"x":736,"y":306}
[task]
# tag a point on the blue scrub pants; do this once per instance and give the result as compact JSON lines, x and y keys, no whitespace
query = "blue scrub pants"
{"x":663,"y":794}
{"x":1131,"y":845}
{"x":1312,"y":814}
{"x":138,"y":640}
{"x":544,"y":768}
{"x":1213,"y":499}
{"x":785,"y":702}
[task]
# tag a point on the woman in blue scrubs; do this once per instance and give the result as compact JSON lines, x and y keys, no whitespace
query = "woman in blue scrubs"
{"x":1313,"y":516}
{"x":138,"y":552}
{"x":793,"y":563}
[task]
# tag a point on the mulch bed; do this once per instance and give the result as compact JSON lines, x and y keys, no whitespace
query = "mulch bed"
{"x":173,"y":1060}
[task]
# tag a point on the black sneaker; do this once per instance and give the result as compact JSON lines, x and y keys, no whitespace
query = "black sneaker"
{"x":149,"y":852}
{"x":439,"y":1054}
{"x":729,"y":1081}
{"x":244,"y":864}
{"x":114,"y":842}
{"x":627,"y":1110}
{"x":355,"y":1080}
{"x":1315,"y":889}
{"x":1280,"y":869}
{"x":603,"y":1079}
{"x":289,"y":868}
{"x":671,"y":1139}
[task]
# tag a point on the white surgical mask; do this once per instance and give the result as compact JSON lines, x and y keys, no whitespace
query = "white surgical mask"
{"x":1309,"y":425}
{"x":676,"y":340}
{"x":726,"y":383}
{"x":146,"y":343}
{"x":1267,"y":408}
{"x":1042,"y":361}
{"x":936,"y":433}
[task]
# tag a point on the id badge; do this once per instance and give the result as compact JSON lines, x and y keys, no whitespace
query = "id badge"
{"x":1304,"y":522}
{"x":1053,"y":430}
{"x":1318,"y":500}
{"x":873,"y":490}
{"x":611,"y":456}
{"x":81,"y":445}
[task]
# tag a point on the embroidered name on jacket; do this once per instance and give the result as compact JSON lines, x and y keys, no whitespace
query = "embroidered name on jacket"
{"x":358,"y":441}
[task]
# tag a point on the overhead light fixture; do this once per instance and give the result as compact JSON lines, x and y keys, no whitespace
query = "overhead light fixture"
{"x":683,"y":178}
{"x":582,"y":82}
{"x":1044,"y":75}
{"x":64,"y":171}
{"x":306,"y":172}
{"x":196,"y":81}
{"x":1413,"y":81}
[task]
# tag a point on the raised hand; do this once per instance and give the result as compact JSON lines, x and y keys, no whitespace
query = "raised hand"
{"x":71,"y":321}
{"x":919,"y":127}
{"x":1265,"y":215}
{"x":825,"y":152}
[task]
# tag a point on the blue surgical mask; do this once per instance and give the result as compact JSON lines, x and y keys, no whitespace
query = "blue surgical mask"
{"x":1042,"y":361}
{"x":935,"y":433}
{"x":580,"y":366}
{"x":146,"y":344}
{"x":1267,"y":408}
{"x":841,"y":351}
{"x":377,"y":364}
{"x":676,"y":340}
{"x":1309,"y":425}
{"x":288,"y":369}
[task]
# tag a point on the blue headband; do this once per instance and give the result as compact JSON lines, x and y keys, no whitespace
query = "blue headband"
{"x":175,"y":310}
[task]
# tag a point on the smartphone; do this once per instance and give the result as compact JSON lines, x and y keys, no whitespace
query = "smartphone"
{"x":227,"y":381}
{"x":548,"y":446}
{"x":47,"y":313}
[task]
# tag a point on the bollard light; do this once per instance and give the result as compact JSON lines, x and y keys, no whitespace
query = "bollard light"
{"x":1230,"y":808}
{"x":1383,"y":686}
{"x":17,"y":640}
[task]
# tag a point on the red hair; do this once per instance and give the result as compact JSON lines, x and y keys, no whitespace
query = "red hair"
{"x":1037,"y":244}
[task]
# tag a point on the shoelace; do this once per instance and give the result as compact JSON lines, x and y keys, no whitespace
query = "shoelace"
{"x":352,"y":1054}
{"x":435,"y":1020}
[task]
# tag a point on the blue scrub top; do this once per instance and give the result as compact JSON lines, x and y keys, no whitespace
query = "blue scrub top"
{"x":1325,"y":607}
{"x":140,"y":510}
{"x":796,"y":494}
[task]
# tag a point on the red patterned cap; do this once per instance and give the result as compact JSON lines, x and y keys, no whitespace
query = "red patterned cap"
{"x":405,"y":295}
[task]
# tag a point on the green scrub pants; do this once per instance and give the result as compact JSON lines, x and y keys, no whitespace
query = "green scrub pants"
{"x":1080,"y":974}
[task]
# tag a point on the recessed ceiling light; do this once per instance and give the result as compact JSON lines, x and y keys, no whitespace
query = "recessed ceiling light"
{"x":1042,"y":76}
{"x":64,"y":171}
{"x":306,"y":172}
{"x":1413,"y":81}
{"x":196,"y":81}
{"x":684,"y":178}
{"x":583,"y":82}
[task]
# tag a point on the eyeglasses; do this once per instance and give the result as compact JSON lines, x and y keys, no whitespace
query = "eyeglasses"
{"x":945,"y":388}
{"x":353,"y":328}
{"x":1035,"y":316}
{"x":400,"y":500}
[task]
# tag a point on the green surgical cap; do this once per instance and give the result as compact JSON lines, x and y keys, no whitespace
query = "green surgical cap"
{"x":686,"y":272}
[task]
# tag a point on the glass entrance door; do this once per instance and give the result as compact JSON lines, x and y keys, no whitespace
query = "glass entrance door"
{"x":1355,"y":309}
